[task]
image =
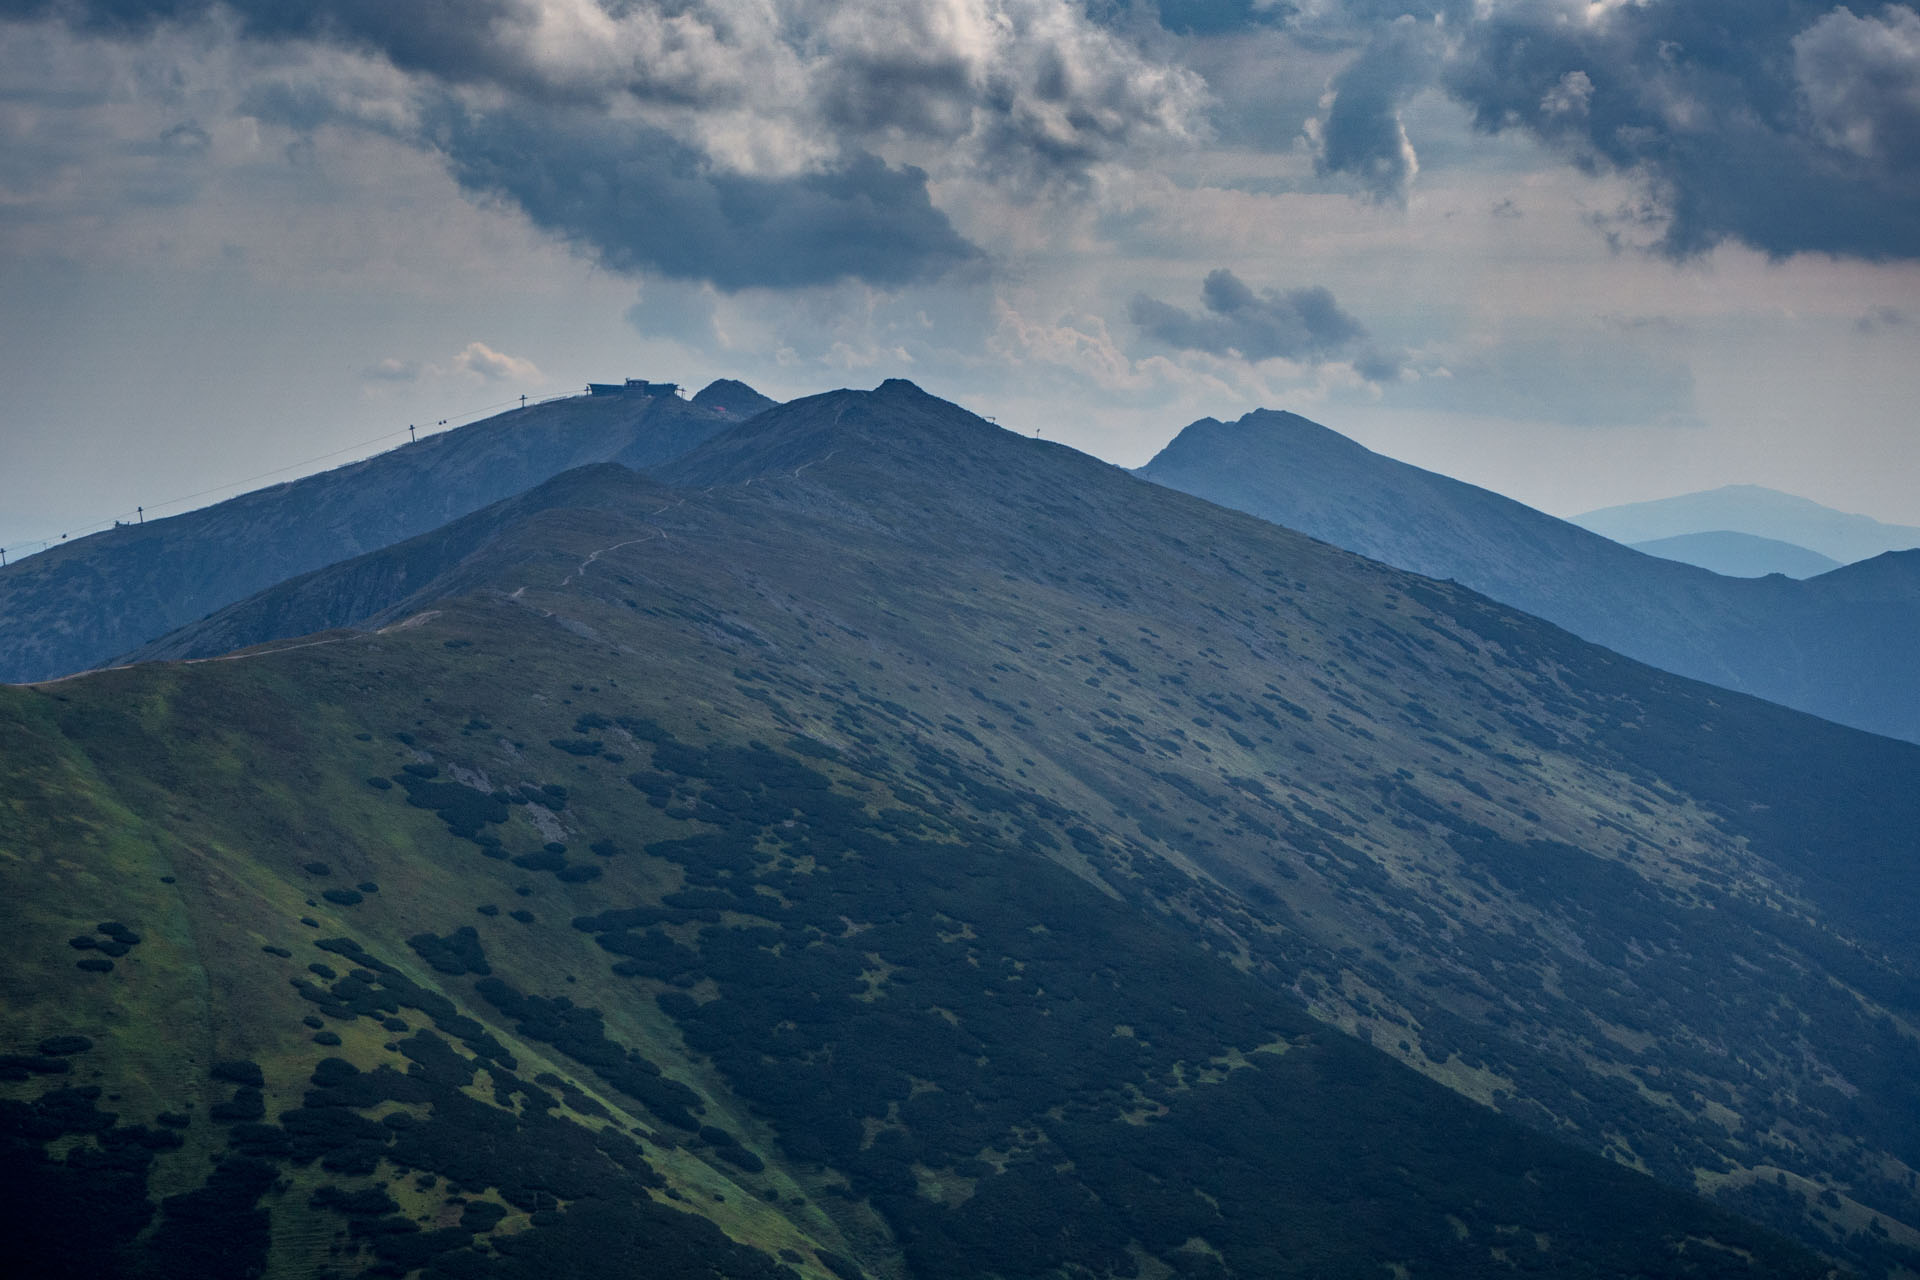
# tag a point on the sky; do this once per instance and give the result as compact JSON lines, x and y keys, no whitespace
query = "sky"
{"x":1581,"y":252}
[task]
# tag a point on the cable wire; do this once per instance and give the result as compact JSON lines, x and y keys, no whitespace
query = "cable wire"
{"x":41,"y":544}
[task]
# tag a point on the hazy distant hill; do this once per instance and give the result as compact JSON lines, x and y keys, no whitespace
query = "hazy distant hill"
{"x":1839,"y":645}
{"x":967,"y":825}
{"x":1739,"y":555}
{"x":86,"y":602}
{"x":1752,"y":509}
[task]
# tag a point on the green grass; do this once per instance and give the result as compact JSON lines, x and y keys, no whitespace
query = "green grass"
{"x":1286,"y":771}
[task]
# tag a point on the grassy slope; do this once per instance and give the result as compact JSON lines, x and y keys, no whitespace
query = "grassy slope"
{"x":84,"y":603}
{"x":229,"y":777}
{"x":1385,"y":796}
{"x":1834,"y":649}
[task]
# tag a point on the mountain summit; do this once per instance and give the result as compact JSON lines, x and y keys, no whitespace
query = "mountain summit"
{"x":1837,"y":645}
{"x":895,"y":428}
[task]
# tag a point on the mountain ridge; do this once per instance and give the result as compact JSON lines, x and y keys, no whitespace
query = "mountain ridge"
{"x":83,"y":603}
{"x":1733,"y":554}
{"x":1756,"y":510}
{"x":1822,"y":645}
{"x":362,"y":590}
{"x":1652,"y":917}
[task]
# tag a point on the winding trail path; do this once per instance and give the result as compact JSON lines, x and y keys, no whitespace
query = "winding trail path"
{"x":655,"y":532}
{"x":194,"y":662}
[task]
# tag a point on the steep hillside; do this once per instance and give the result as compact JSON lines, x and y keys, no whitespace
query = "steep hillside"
{"x":423,"y":568}
{"x":1738,"y":555}
{"x":946,"y":855}
{"x":745,"y":1012}
{"x":83,"y":603}
{"x":1785,"y":641}
{"x":1761,"y":512}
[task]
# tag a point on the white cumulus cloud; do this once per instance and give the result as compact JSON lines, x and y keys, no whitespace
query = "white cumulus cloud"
{"x":489,"y":365}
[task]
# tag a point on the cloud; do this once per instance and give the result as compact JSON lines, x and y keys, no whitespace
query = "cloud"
{"x":734,"y":141}
{"x":1361,"y":133}
{"x":1861,"y":80}
{"x":1788,"y":127}
{"x":393,"y":370}
{"x":684,"y":311}
{"x":1030,"y":88}
{"x":1791,"y":126}
{"x":1037,"y":70}
{"x":475,"y":360}
{"x":489,"y":365}
{"x":461,"y":42}
{"x":1306,"y":326}
{"x":178,"y":141}
{"x":637,"y":199}
{"x":1882,"y":318}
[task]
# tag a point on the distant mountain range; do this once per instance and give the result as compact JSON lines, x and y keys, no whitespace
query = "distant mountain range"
{"x":1738,"y":555}
{"x":1761,"y":512}
{"x":86,"y":602}
{"x":875,"y":844}
{"x":1840,"y":645}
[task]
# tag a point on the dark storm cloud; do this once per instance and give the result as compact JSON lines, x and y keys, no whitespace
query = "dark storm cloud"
{"x":1028,"y":93}
{"x":637,"y":199}
{"x":1224,"y":17}
{"x":1361,"y":134}
{"x":1784,"y":125}
{"x":926,"y":91}
{"x":1035,"y":83}
{"x":1032,"y":90}
{"x":1303,"y":325}
{"x":454,"y":41}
